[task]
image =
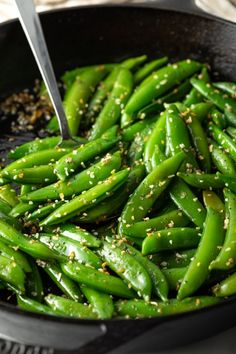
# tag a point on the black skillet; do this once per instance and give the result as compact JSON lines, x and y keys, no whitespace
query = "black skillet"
{"x":82,"y":36}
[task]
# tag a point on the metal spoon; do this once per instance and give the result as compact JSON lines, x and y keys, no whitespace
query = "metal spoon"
{"x":30,"y":22}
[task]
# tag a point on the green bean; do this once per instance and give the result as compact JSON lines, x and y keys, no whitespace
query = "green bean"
{"x":22,"y":209}
{"x":128,"y":268}
{"x":70,"y":162}
{"x":97,"y":280}
{"x":43,"y":211}
{"x":194,"y":97}
{"x":185,"y":200}
{"x":78,"y":183}
{"x":140,"y":308}
{"x":101,"y":303}
{"x":44,"y":174}
{"x":208,"y":249}
{"x":111,"y":111}
{"x":87,"y":199}
{"x":148,"y":191}
{"x":67,"y":286}
{"x":170,"y":239}
{"x":70,"y":248}
{"x":129,"y":133}
{"x":201,"y":180}
{"x":227,"y":287}
{"x":226,"y":258}
{"x":142,"y":229}
{"x":69,"y":307}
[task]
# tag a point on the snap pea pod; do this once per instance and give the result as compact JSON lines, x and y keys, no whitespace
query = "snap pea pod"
{"x":174,"y":276}
{"x":208,"y":249}
{"x":194,"y":96}
{"x":5,"y":207}
{"x":141,"y":229}
{"x":16,"y":256}
{"x":162,"y":81}
{"x":228,"y":181}
{"x":12,"y":273}
{"x":22,"y":209}
{"x":69,"y":76}
{"x":39,"y":145}
{"x":128,"y":268}
{"x":223,"y":102}
{"x":43,"y":174}
{"x":97,"y":280}
{"x":178,"y":259}
{"x":177,"y":138}
{"x":136,"y":149}
{"x":11,"y":220}
{"x":199,"y":110}
{"x":101,"y":303}
{"x":148,"y":68}
{"x":38,"y":158}
{"x":8,"y":194}
{"x":159,"y":283}
{"x":115,"y":202}
{"x":28,"y":304}
{"x":129,"y":133}
{"x":140,"y":308}
{"x":223,"y":140}
{"x":177,"y":94}
{"x":78,"y":183}
{"x":227,"y":287}
{"x":199,"y":140}
{"x":106,"y":86}
{"x":70,"y":248}
{"x":69,"y":307}
{"x":42,"y":211}
{"x":222,"y":160}
{"x":27,"y":188}
{"x":229,"y":87}
{"x":170,"y":239}
{"x":186,"y":201}
{"x":67,"y":286}
{"x":202,"y":180}
{"x":78,"y":95}
{"x":87,"y":199}
{"x":34,"y":284}
{"x":218,"y":118}
{"x":111,"y":111}
{"x":76,"y":233}
{"x":26,"y":244}
{"x":156,"y":138}
{"x":157,"y":157}
{"x":148,"y":191}
{"x":72,"y":161}
{"x":226,"y":259}
{"x":232,"y":132}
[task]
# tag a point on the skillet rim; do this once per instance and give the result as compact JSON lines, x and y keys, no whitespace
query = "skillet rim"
{"x":13,"y":309}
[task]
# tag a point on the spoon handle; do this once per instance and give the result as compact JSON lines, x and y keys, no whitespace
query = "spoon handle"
{"x":30,"y":22}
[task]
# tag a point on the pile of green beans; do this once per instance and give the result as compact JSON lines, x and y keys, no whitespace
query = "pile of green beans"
{"x":136,"y":217}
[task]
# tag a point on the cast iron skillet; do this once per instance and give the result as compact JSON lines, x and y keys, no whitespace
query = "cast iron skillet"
{"x":89,"y":35}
